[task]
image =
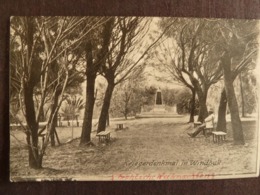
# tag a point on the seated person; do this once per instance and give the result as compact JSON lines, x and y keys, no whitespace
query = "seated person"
{"x":208,"y":123}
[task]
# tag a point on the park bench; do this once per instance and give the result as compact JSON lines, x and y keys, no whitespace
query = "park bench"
{"x":119,"y":126}
{"x":208,"y":131}
{"x":103,"y":136}
{"x":218,"y":136}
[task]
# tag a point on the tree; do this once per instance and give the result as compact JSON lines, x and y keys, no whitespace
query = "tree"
{"x":248,"y":92}
{"x":166,"y":58}
{"x":73,"y":107}
{"x":124,"y":47}
{"x":183,"y":101}
{"x":121,"y":101}
{"x":75,"y":78}
{"x":239,"y":49}
{"x":148,"y":94}
{"x":40,"y":44}
{"x":127,"y":98}
{"x":122,"y":41}
{"x":191,"y":60}
{"x":93,"y":65}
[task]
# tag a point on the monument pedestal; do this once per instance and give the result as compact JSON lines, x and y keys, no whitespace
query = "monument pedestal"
{"x":158,"y":110}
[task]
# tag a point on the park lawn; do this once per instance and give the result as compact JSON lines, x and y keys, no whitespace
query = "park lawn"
{"x":150,"y":147}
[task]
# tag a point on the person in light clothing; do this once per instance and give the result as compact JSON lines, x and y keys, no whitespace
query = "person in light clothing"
{"x":208,"y":123}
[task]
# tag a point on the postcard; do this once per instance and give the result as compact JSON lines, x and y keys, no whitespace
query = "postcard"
{"x":133,"y":98}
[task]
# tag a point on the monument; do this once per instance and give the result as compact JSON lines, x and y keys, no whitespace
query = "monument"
{"x":159,"y":109}
{"x":159,"y":106}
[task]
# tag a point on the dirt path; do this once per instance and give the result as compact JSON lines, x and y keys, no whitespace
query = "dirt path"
{"x":147,"y":146}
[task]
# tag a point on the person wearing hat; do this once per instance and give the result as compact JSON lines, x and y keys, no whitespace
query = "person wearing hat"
{"x":208,"y":123}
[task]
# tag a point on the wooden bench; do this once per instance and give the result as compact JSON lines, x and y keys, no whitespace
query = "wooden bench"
{"x":219,"y":136}
{"x":208,"y":131}
{"x":119,"y":126}
{"x":103,"y":136}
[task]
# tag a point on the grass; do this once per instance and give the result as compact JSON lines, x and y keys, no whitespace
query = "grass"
{"x":147,"y":147}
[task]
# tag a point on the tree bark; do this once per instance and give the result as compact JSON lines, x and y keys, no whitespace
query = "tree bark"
{"x":55,"y":119}
{"x":105,"y":106}
{"x":203,"y":111}
{"x":52,"y":136}
{"x":35,"y":160}
{"x":89,"y":107}
{"x":91,"y":72}
{"x":108,"y":121}
{"x":192,"y":106}
{"x":32,"y":77}
{"x":42,"y":116}
{"x":242,"y":95}
{"x":57,"y":137}
{"x":202,"y":92}
{"x":222,"y":109}
{"x":232,"y":101}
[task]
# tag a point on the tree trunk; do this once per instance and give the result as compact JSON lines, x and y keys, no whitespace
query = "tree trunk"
{"x":192,"y":106}
{"x":105,"y":107}
{"x":222,"y":109}
{"x":53,"y":130}
{"x":89,"y":107}
{"x":32,"y":77}
{"x":35,"y":160}
{"x":57,"y":137}
{"x":232,"y":101}
{"x":108,"y":121}
{"x":242,"y":95}
{"x":55,"y":119}
{"x":42,"y":116}
{"x":202,"y":92}
{"x":203,"y":111}
{"x":52,"y":136}
{"x":91,"y":72}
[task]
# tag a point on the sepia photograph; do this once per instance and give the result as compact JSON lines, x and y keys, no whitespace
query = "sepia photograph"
{"x":119,"y":98}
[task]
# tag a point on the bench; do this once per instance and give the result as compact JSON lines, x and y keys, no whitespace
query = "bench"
{"x":219,"y":136}
{"x":207,"y":131}
{"x":103,"y":136}
{"x":119,"y":126}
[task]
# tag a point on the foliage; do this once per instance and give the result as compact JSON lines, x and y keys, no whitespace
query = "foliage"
{"x":43,"y":62}
{"x":73,"y":106}
{"x":188,"y":56}
{"x":249,"y":92}
{"x":148,"y":95}
{"x":126,"y":100}
{"x":125,"y":57}
{"x":239,"y":48}
{"x":183,"y":101}
{"x":169,"y":96}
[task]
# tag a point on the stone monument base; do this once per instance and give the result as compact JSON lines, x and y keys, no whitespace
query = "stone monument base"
{"x":159,"y":111}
